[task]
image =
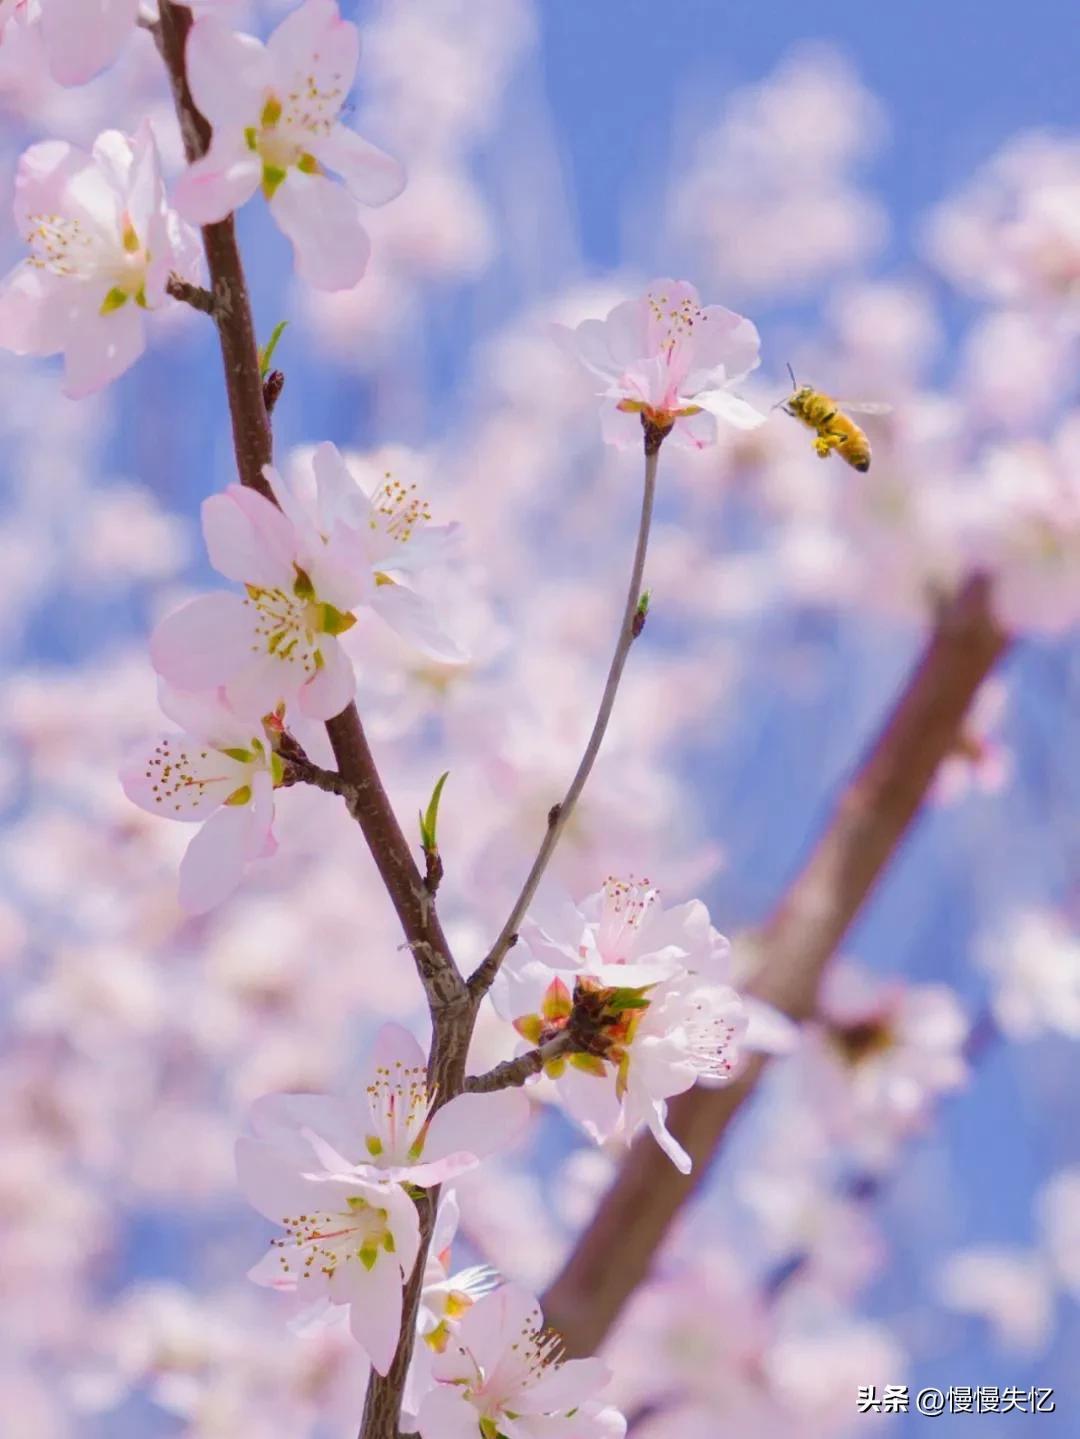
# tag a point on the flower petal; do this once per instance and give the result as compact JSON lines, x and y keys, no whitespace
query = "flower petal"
{"x":322,"y":220}
{"x":215,"y":860}
{"x":203,"y":643}
{"x":333,"y":686}
{"x":375,"y":1309}
{"x":227,"y":72}
{"x":370,"y":175}
{"x":477,"y":1124}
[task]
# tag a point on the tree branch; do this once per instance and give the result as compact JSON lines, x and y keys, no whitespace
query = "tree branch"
{"x":480,"y":980}
{"x":514,"y":1072}
{"x":869,"y":820}
{"x":253,"y":443}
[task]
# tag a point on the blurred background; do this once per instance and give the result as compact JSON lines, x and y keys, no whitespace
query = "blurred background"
{"x":893,"y":196}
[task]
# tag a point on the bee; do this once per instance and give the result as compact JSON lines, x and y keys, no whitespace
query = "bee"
{"x":835,"y":429}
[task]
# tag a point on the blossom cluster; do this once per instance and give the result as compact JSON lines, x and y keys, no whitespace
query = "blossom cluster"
{"x":139,"y":1036}
{"x":106,"y":240}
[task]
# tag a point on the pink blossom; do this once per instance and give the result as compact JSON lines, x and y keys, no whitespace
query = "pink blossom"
{"x":347,"y":1240}
{"x":979,"y":761}
{"x":501,"y":1374}
{"x":80,"y":37}
{"x":659,"y":1040}
{"x":623,"y":936}
{"x":1033,"y":960}
{"x":274,"y":110}
{"x":221,"y":771}
{"x":306,"y":566}
{"x":395,"y":1135}
{"x":102,"y":245}
{"x":667,"y":359}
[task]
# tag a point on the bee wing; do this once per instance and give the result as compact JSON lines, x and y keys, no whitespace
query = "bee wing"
{"x":864,"y":407}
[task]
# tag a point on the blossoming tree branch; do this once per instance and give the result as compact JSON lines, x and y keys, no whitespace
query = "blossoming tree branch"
{"x":645,"y":1025}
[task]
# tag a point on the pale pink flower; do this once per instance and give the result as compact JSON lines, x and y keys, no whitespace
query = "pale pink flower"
{"x":221,"y":771}
{"x":1024,"y":528}
{"x":501,"y":1374}
{"x":623,"y":936}
{"x":886,"y":1054}
{"x":394,"y":1135}
{"x":1010,"y":1288}
{"x":1033,"y":960}
{"x":978,"y":762}
{"x":1058,"y":1210}
{"x":274,"y":110}
{"x":347,"y":1240}
{"x":658,"y":1041}
{"x":670,"y":360}
{"x":102,"y":245}
{"x":79,"y":37}
{"x":306,"y":566}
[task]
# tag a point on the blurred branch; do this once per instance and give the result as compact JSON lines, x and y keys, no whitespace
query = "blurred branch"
{"x":870,"y":818}
{"x":559,"y":815}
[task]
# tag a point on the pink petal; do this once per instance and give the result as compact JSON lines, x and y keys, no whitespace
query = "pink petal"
{"x":445,"y":1413}
{"x":370,"y":174}
{"x":375,"y":1308}
{"x":489,"y":1327}
{"x":259,"y":686}
{"x":219,"y":183}
{"x":100,"y":347}
{"x":249,"y":540}
{"x":563,"y":1388}
{"x":214,"y":863}
{"x":83,"y":36}
{"x":228,"y":74}
{"x":729,"y":408}
{"x":416,"y":619}
{"x":279,"y":1120}
{"x":333,"y":687}
{"x":477,"y":1124}
{"x":203,"y":643}
{"x":322,"y":220}
{"x":314,"y":45}
{"x":271,"y":1184}
{"x":34,"y":309}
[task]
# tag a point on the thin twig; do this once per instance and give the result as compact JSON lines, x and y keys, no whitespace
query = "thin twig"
{"x":558,"y":817}
{"x":514,"y":1072}
{"x":194,"y":295}
{"x":870,"y":818}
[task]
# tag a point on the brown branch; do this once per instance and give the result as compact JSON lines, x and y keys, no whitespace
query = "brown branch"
{"x":236,"y":328}
{"x":514,"y":1072}
{"x":189,"y":294}
{"x":481,"y":979}
{"x":253,"y":443}
{"x":869,"y":820}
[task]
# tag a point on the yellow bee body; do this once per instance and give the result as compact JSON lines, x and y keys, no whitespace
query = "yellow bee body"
{"x":835,"y":430}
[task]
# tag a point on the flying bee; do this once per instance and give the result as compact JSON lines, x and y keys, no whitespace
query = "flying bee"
{"x":835,"y":429}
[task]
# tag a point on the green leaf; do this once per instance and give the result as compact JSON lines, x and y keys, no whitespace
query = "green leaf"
{"x":266,"y":354}
{"x":430,"y":820}
{"x":621,"y":999}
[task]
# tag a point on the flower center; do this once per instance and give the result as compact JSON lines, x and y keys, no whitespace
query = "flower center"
{"x":398,"y":509}
{"x":181,"y":776}
{"x":59,"y":244}
{"x":328,"y":1240}
{"x":398,"y":1096}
